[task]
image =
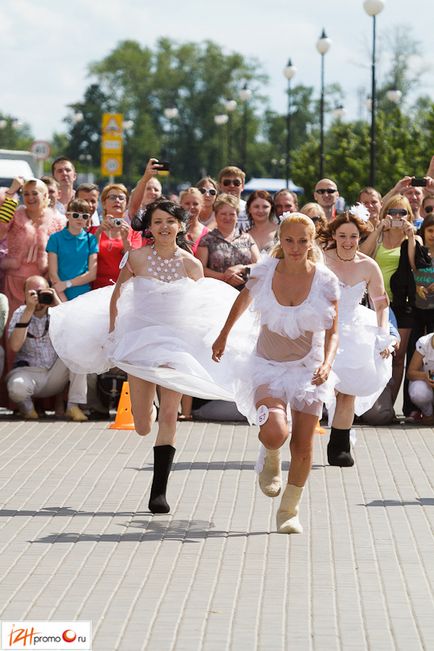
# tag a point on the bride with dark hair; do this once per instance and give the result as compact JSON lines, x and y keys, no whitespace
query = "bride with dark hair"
{"x":162,"y":316}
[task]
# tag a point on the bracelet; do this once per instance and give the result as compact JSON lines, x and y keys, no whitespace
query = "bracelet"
{"x":22,"y":325}
{"x":68,"y":284}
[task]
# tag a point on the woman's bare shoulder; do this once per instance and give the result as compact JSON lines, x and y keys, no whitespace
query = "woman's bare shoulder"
{"x":192,"y":265}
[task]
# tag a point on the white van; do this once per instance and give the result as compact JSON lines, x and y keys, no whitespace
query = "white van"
{"x":16,"y":163}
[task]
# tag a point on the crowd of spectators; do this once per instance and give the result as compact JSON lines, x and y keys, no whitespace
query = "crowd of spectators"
{"x":59,"y":240}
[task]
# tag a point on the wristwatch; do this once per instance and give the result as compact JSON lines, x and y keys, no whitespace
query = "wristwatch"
{"x":68,"y":284}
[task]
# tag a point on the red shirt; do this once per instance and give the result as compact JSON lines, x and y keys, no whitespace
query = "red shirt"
{"x":110,"y":254}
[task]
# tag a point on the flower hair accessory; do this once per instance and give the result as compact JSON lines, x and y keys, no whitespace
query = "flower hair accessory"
{"x":360,"y":211}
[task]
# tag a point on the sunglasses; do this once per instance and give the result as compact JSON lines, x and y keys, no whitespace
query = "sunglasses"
{"x":428,"y":209}
{"x":113,"y":197}
{"x":211,"y":192}
{"x":79,"y":215}
{"x":235,"y":182}
{"x":395,"y":212}
{"x":315,"y":219}
{"x":325,"y":191}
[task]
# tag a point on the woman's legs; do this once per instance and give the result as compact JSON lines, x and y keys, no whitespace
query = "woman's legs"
{"x":422,"y":396}
{"x":301,"y":446}
{"x":164,"y":450}
{"x":142,"y":404}
{"x":398,"y":362}
{"x":338,"y":448}
{"x":273,"y":433}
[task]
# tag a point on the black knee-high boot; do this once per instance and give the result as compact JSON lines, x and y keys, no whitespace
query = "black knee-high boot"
{"x":163,"y":459}
{"x":339,"y":449}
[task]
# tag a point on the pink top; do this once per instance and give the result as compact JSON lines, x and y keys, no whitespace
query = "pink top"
{"x":196,"y":243}
{"x":27,"y":241}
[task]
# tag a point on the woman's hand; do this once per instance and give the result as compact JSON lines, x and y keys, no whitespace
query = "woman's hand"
{"x":218,"y":347}
{"x":408,"y":229}
{"x":428,"y":380}
{"x":321,"y":374}
{"x":60,"y":286}
{"x":16,"y":185}
{"x":234,"y":275}
{"x":385,"y":224}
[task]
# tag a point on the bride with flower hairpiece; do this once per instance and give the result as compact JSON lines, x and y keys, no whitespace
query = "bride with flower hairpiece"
{"x":363,"y":362}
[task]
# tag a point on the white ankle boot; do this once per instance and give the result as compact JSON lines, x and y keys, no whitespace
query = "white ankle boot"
{"x":287,"y":515}
{"x":270,"y":477}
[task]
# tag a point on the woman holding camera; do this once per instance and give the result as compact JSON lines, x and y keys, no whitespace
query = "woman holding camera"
{"x":114,"y":235}
{"x":392,"y":244}
{"x":72,"y":253}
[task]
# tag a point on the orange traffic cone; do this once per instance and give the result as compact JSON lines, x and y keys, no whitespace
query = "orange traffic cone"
{"x":124,"y":417}
{"x":319,"y":429}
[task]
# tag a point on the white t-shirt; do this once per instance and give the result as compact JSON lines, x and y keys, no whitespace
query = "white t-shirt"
{"x":424,"y":346}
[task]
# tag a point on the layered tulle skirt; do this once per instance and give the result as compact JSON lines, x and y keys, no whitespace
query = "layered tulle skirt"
{"x":163,"y":334}
{"x":361,"y":370}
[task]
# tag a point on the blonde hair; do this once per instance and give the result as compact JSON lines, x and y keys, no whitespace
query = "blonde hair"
{"x":194,"y":191}
{"x":41,"y":187}
{"x":397,"y":201}
{"x":314,"y":254}
{"x":226,"y":200}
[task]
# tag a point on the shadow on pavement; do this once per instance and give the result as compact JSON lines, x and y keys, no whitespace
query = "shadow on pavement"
{"x":419,"y":501}
{"x":187,"y":531}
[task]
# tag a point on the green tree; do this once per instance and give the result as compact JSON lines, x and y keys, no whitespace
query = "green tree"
{"x":13,"y":134}
{"x":140,"y":83}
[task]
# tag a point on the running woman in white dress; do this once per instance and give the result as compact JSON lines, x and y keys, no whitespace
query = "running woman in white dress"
{"x":296,"y":299}
{"x":362,"y":363}
{"x":164,"y":316}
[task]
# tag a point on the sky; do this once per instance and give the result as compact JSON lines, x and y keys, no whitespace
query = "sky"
{"x":47,"y":45}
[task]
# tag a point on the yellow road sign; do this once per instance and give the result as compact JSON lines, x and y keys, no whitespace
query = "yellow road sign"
{"x":112,"y":144}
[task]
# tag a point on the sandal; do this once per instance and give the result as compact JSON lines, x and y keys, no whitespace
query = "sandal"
{"x":184,"y":417}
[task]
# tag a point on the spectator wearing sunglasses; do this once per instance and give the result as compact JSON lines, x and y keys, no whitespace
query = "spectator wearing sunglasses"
{"x":26,"y":229}
{"x":231,"y":181}
{"x":397,"y":250}
{"x":326,"y":194}
{"x":72,"y":253}
{"x":114,"y":235}
{"x":209,"y":189}
{"x":427,"y":206}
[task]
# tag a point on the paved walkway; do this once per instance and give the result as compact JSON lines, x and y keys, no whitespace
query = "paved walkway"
{"x":77,"y":542}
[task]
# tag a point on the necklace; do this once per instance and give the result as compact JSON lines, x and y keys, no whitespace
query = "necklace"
{"x":345,"y":259}
{"x":165,"y":269}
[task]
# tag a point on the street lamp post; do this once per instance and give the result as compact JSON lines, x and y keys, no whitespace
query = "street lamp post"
{"x":170,"y":113}
{"x":323,"y":45}
{"x":220,"y":120}
{"x":373,"y":8}
{"x":289,"y":72}
{"x":245,"y":94}
{"x":230,"y":106}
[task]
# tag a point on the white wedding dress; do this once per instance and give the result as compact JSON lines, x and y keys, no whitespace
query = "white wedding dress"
{"x":164,"y":331}
{"x":361,"y":370}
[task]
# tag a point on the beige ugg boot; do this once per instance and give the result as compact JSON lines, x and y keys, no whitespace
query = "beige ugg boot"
{"x":270,"y":477}
{"x":287,"y":515}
